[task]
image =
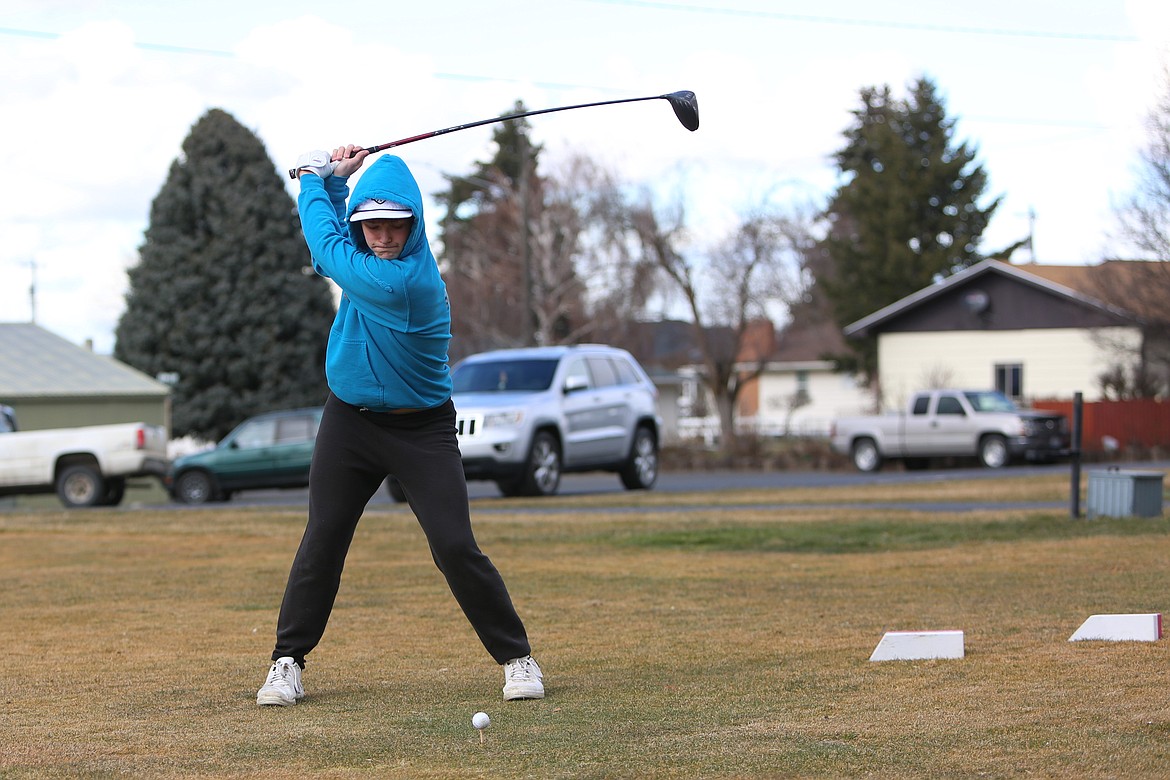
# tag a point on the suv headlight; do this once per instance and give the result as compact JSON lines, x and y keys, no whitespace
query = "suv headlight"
{"x":505,"y":419}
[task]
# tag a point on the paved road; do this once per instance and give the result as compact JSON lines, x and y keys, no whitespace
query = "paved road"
{"x":484,"y":493}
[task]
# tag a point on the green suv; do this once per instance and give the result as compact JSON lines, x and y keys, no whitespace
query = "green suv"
{"x":271,"y":450}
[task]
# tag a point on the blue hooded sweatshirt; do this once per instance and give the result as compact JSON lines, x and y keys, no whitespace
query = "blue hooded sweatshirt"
{"x":388,"y":345}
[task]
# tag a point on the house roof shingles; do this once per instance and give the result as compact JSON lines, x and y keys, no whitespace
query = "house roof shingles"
{"x":805,"y":341}
{"x":1081,"y":283}
{"x":35,"y":363}
{"x":1136,"y":286}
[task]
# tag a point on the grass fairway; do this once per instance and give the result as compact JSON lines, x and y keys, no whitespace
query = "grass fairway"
{"x":708,"y":636}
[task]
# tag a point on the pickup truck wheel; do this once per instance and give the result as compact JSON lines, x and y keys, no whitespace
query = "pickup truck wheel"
{"x":542,"y":474}
{"x":115,"y":492}
{"x":80,"y":486}
{"x":195,"y":487}
{"x":866,"y":456}
{"x":395,"y":491}
{"x":640,"y":471}
{"x":993,"y":451}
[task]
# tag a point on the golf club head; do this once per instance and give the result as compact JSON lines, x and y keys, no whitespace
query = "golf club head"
{"x":686,"y":108}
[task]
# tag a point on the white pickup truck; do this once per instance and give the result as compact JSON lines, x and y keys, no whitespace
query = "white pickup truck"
{"x":86,"y":466}
{"x":952,"y":423}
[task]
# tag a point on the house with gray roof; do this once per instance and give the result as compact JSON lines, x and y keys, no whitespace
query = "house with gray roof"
{"x":1031,"y":331}
{"x":53,"y":383}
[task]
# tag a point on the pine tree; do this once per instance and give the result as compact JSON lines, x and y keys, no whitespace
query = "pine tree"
{"x":907,"y":212}
{"x":484,"y":246}
{"x":223,"y":294}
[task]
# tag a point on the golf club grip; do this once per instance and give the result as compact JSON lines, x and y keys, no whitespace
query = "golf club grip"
{"x":292,"y":172}
{"x":412,"y":139}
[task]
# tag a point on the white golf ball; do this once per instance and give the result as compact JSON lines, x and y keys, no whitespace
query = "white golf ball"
{"x":481,"y":720}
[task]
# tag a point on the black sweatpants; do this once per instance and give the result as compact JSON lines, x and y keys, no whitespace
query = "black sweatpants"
{"x":355,"y":451}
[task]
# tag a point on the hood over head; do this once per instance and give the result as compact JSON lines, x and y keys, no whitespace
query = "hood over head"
{"x":389,"y":180}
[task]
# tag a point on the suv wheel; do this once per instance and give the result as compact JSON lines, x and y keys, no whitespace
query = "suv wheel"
{"x":542,"y":473}
{"x":640,"y":471}
{"x":395,"y":491}
{"x":510,"y":487}
{"x":195,"y":487}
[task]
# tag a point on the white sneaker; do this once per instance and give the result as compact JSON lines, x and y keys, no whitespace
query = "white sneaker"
{"x":283,"y":686}
{"x":522,"y":679}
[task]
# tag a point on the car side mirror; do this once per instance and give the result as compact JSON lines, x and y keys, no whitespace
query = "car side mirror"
{"x":574,"y":384}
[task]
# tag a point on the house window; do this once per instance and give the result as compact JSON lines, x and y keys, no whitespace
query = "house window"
{"x":801,"y":396}
{"x":1009,"y":379}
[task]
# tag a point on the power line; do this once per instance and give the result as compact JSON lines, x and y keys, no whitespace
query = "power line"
{"x":540,"y":84}
{"x":669,"y":6}
{"x":167,"y":48}
{"x":846,"y":22}
{"x":1034,"y":122}
{"x":161,"y":47}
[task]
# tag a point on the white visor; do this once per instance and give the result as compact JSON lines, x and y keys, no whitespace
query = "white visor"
{"x":380,"y":209}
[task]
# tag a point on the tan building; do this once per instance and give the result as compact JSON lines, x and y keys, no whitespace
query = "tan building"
{"x":1032,"y":331}
{"x":54,"y":383}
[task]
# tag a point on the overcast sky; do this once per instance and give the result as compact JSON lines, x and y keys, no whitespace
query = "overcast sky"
{"x":97,"y":98}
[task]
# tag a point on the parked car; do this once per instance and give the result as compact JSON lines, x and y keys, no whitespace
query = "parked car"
{"x":7,"y":419}
{"x":271,"y":450}
{"x":983,"y":424}
{"x":526,"y":416}
{"x":86,"y":466}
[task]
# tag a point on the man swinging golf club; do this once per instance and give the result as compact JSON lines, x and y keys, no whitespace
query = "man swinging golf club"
{"x":389,"y":411}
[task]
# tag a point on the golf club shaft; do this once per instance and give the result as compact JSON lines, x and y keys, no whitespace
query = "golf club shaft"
{"x":684,"y":104}
{"x":495,"y":119}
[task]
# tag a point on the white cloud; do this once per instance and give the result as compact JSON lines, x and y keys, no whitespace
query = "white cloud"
{"x":95,"y":116}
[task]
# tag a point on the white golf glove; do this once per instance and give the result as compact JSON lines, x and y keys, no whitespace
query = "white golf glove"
{"x":317,"y":161}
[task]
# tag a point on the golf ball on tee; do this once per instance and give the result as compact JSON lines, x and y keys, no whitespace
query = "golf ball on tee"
{"x":480,"y":720}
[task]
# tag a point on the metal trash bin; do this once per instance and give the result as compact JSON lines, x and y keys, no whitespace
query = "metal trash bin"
{"x":1117,"y":493}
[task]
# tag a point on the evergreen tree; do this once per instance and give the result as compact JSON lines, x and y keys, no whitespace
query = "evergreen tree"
{"x":907,"y":212}
{"x":486,"y":251}
{"x":223,"y":294}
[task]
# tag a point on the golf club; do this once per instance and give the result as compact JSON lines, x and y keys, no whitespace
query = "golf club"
{"x":684,"y":103}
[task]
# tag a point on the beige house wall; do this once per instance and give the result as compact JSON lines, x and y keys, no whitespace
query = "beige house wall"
{"x":1056,"y":362}
{"x":830,"y":395}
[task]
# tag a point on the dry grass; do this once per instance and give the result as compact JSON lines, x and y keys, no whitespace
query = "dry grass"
{"x":724,"y":641}
{"x":1047,"y":487}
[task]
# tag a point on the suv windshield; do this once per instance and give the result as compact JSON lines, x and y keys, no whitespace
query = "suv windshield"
{"x":502,"y":376}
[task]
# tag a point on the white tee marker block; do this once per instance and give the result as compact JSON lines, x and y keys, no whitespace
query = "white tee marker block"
{"x":918,"y":645}
{"x":1121,"y":628}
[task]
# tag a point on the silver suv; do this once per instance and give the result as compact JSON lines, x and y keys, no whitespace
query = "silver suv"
{"x":525,"y":416}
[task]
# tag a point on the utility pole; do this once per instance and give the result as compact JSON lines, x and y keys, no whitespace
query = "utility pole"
{"x":525,"y":254}
{"x":1032,"y":233}
{"x":32,"y":291}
